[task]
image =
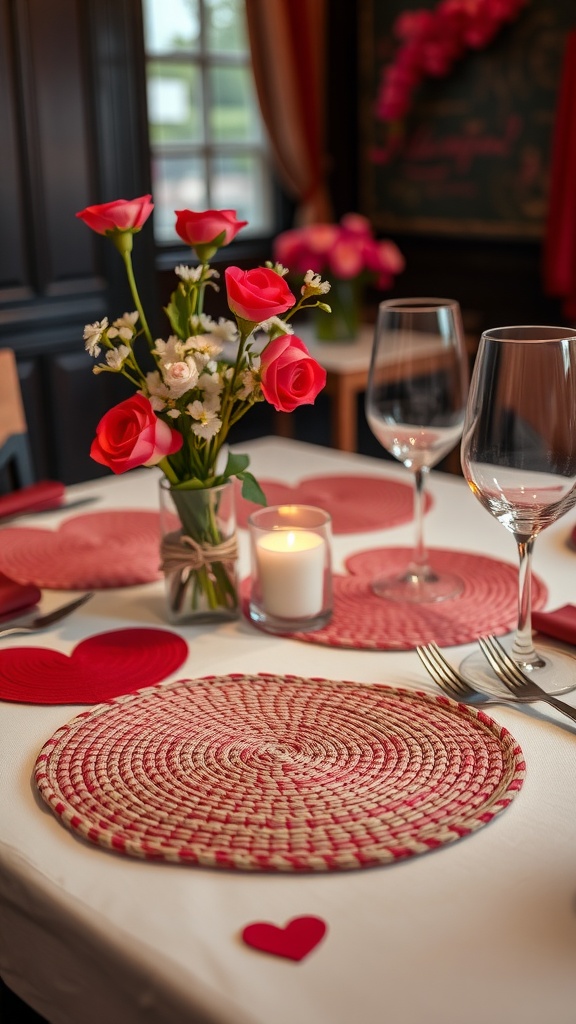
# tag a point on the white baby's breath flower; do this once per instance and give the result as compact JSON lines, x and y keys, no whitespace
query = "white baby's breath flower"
{"x":188,"y":273}
{"x":314,"y":285}
{"x":157,"y":391}
{"x":115,"y":357}
{"x":93,"y":334}
{"x":170,"y":351}
{"x":277,"y":268}
{"x":202,"y":324}
{"x":203,"y":344}
{"x":206,"y":422}
{"x":173,"y":413}
{"x":211,"y":383}
{"x":124,"y":327}
{"x":250,"y":378}
{"x":180,"y":377}
{"x":225,"y":330}
{"x":277,"y":324}
{"x":158,"y":404}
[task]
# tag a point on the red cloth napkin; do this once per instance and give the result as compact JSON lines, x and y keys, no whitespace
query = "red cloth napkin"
{"x":560,"y":237}
{"x":38,"y":497}
{"x":560,"y":624}
{"x":16,"y":597}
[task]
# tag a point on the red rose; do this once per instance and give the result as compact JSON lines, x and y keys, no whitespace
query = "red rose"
{"x":289,"y":375}
{"x":131,"y":434}
{"x":203,"y":228}
{"x":257,"y":294}
{"x":121,"y":215}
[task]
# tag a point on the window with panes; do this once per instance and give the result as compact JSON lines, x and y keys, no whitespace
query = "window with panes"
{"x":207,"y":139}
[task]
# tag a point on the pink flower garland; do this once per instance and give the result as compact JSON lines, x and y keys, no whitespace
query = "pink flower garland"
{"x":432,"y":41}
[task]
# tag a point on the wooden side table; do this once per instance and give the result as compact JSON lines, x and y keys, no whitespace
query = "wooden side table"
{"x":346,"y":365}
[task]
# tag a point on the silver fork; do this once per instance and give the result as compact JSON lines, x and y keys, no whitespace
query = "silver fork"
{"x":40,"y":622}
{"x":516,"y":680}
{"x":450,"y":680}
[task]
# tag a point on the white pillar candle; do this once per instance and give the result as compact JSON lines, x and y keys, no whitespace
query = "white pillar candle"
{"x":291,"y":572}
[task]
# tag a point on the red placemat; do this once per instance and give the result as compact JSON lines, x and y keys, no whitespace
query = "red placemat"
{"x":93,"y":551}
{"x":355,"y":503}
{"x":361,"y":620}
{"x":278,"y":773}
{"x":16,"y":597}
{"x":100,"y":667}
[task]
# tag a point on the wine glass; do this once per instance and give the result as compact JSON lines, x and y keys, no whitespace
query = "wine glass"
{"x":415,"y":403}
{"x":519,"y":458}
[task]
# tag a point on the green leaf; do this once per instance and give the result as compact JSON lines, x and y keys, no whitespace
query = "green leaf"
{"x":235,"y":465}
{"x":178,"y":311}
{"x":251,"y":489}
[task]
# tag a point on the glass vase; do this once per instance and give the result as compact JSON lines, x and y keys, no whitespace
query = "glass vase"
{"x":199,"y":554}
{"x":343,"y":323}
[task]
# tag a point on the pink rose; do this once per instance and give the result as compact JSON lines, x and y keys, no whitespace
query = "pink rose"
{"x":291,"y":251}
{"x":131,"y":434}
{"x":289,"y":375}
{"x":346,"y":259}
{"x":203,"y":228}
{"x":121,"y":215}
{"x":257,"y":294}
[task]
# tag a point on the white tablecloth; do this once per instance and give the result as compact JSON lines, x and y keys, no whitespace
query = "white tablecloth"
{"x":482,"y":931}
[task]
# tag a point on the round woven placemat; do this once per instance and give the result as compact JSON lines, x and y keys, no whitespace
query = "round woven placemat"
{"x":364,"y":621}
{"x":278,"y":773}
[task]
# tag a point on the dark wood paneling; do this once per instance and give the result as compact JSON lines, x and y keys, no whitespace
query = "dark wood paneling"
{"x":73,"y":129}
{"x":12,"y":271}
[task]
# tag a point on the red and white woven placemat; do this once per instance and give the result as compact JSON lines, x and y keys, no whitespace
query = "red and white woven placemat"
{"x":278,"y":773}
{"x":363,"y":621}
{"x":356,"y":504}
{"x":93,"y":551}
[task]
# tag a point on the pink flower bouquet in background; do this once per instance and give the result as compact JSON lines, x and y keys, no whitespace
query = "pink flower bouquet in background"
{"x":350,"y":256}
{"x":189,"y":393}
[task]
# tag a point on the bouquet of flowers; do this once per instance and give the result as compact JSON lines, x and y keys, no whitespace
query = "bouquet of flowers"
{"x":188,"y":394}
{"x":350,"y":255}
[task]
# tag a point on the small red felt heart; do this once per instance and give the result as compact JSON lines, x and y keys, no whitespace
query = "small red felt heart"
{"x":298,"y":938}
{"x":99,"y":668}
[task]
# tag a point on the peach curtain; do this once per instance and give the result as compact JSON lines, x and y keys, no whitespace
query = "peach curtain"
{"x":288,"y":45}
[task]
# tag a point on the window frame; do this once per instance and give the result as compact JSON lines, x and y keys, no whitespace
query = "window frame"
{"x":208,"y":150}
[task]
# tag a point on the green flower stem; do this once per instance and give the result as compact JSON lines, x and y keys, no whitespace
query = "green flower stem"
{"x":127,"y":258}
{"x":166,"y":468}
{"x":201,"y":290}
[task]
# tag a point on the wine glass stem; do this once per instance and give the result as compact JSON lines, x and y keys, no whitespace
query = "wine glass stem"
{"x":523,"y":649}
{"x":419,"y":563}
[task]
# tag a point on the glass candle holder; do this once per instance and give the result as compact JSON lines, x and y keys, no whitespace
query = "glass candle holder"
{"x":291,"y":580}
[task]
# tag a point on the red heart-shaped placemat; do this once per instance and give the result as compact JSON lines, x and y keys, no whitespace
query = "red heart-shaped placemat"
{"x":355,"y":503}
{"x":99,"y":668}
{"x":295,"y":941}
{"x":88,"y":552}
{"x":16,"y":597}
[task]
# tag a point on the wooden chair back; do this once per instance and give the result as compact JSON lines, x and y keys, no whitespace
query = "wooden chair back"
{"x":15,"y":454}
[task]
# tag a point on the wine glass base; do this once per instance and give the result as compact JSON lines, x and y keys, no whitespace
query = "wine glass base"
{"x":413,"y":589}
{"x":558,"y":674}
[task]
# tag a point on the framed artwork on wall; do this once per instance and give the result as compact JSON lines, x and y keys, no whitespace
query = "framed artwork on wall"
{"x":472,"y":153}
